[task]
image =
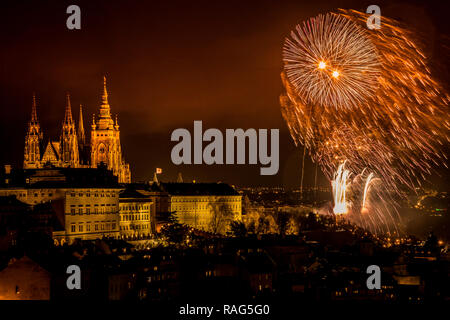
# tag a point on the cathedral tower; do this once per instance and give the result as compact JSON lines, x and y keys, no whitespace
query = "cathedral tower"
{"x":33,"y":141}
{"x":81,"y":135}
{"x":69,"y":141}
{"x":105,"y":142}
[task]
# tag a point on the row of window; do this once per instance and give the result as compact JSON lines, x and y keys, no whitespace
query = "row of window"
{"x":72,"y":194}
{"x":42,"y":194}
{"x":183,"y":199}
{"x":106,"y":135}
{"x":134,"y":208}
{"x":202,"y":207}
{"x":133,"y":217}
{"x":96,"y":226}
{"x":96,"y":194}
{"x":95,"y":205}
{"x":159,"y":277}
{"x":136,"y":227}
{"x":88,"y":211}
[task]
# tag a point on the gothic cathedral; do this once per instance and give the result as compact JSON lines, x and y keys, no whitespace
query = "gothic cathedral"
{"x":72,"y":150}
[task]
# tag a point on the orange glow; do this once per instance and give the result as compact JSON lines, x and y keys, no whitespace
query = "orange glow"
{"x":335,"y":74}
{"x":322,"y":65}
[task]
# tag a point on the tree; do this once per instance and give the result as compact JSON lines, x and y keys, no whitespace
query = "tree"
{"x":282,"y":221}
{"x":238,"y":229}
{"x":220,"y":216}
{"x":175,"y":233}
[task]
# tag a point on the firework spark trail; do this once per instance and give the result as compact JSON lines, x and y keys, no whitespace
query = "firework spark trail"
{"x":366,"y":189}
{"x":355,"y":54}
{"x":303,"y":173}
{"x":339,"y":185}
{"x":389,"y":116}
{"x":364,"y":201}
{"x":365,"y":97}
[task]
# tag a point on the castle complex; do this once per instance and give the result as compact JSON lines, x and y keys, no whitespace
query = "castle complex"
{"x":87,"y":190}
{"x":72,"y":150}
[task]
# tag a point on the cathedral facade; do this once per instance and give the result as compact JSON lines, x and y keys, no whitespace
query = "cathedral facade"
{"x":72,"y":150}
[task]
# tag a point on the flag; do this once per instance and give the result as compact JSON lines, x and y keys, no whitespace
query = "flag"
{"x":158,"y":170}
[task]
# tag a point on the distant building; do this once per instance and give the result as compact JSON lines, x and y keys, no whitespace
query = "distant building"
{"x":257,"y":269}
{"x":87,"y":200}
{"x":12,"y":212}
{"x":137,"y":219}
{"x":72,"y":150}
{"x":160,"y":202}
{"x":206,"y":206}
{"x":24,"y":279}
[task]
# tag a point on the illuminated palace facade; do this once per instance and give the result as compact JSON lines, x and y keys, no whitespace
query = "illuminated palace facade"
{"x":72,"y":150}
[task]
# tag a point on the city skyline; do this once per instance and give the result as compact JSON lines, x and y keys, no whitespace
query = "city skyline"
{"x":73,"y":149}
{"x":186,"y":156}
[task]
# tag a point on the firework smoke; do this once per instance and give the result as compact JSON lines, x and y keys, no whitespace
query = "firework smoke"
{"x":362,"y":200}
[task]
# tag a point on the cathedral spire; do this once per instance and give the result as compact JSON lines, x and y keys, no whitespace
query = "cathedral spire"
{"x":81,"y":135}
{"x":69,"y":142}
{"x":33,"y":140}
{"x":34,"y":118}
{"x":68,"y":115}
{"x":105,"y":93}
{"x":104,"y":120}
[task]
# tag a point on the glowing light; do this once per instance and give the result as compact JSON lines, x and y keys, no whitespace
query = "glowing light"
{"x":342,"y":44}
{"x":366,"y":189}
{"x":339,"y":185}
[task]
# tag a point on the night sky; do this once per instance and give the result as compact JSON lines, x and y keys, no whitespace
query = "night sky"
{"x":169,"y":63}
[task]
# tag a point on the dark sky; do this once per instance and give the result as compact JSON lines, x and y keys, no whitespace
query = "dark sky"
{"x":168,"y":63}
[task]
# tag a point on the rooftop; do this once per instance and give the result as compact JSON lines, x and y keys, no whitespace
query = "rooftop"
{"x":193,"y":189}
{"x":60,"y":178}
